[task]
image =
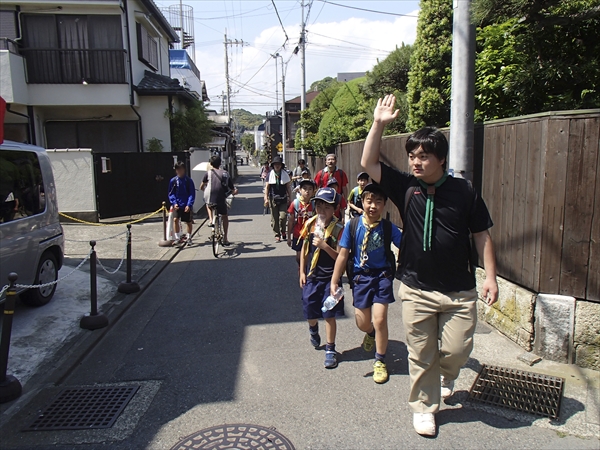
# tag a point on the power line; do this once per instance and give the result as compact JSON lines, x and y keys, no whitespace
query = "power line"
{"x":367,"y":10}
{"x":280,"y":22}
{"x":348,"y":42}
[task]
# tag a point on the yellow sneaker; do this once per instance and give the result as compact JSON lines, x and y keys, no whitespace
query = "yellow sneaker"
{"x":380,"y":373}
{"x":368,"y":343}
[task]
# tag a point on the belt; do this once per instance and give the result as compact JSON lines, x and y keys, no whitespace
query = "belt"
{"x":367,"y":271}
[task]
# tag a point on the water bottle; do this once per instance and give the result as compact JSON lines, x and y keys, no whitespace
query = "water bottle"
{"x":319,"y":229}
{"x":331,"y":301}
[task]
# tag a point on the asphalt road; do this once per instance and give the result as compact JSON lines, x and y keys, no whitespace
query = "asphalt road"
{"x":217,"y":341}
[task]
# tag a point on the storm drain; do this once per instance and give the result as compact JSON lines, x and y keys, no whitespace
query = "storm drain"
{"x":84,"y":408}
{"x":240,"y":436}
{"x":522,"y":391}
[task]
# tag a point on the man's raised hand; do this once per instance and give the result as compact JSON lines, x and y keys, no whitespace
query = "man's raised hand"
{"x":384,"y":111}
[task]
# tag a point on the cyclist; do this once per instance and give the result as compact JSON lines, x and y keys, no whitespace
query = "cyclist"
{"x":217,"y":185}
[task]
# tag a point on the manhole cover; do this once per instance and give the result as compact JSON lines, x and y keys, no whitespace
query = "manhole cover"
{"x":235,"y":437}
{"x":518,"y":390}
{"x":84,"y":408}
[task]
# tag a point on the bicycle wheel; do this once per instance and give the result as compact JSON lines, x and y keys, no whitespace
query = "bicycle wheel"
{"x":216,"y":236}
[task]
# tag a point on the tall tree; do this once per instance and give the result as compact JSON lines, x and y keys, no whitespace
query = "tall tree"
{"x":321,"y":85}
{"x":536,"y":56}
{"x":428,"y":93}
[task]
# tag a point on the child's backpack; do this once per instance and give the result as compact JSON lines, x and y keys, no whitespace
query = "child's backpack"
{"x":387,"y":244}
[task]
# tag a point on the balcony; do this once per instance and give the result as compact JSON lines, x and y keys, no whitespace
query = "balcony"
{"x":75,"y":66}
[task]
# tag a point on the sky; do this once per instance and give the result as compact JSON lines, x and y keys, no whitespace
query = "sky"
{"x":340,"y":38}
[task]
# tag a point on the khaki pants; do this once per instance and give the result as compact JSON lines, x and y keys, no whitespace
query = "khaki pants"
{"x":439,"y":337}
{"x":278,"y":217}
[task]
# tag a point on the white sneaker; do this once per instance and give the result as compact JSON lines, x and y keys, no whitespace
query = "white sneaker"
{"x":447,"y":387}
{"x":424,"y":424}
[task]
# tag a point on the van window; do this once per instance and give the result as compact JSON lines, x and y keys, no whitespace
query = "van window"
{"x":21,"y":185}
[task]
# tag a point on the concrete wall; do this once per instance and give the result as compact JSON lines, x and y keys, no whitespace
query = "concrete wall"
{"x":78,"y":94}
{"x":154,"y":122}
{"x":545,"y":324}
{"x":74,"y":177}
{"x":13,"y":87}
{"x":587,"y":334}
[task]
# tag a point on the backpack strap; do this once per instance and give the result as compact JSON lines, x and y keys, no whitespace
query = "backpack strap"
{"x":353,"y":226}
{"x":387,"y":242}
{"x":409,"y":194}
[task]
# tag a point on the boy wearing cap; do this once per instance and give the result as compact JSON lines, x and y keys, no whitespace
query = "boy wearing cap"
{"x":321,"y":235}
{"x":366,"y":251}
{"x":340,"y":210}
{"x":278,"y":195}
{"x":354,"y":198}
{"x":300,"y":211}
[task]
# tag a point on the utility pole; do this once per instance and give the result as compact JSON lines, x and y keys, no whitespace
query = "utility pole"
{"x":462,"y":107}
{"x":275,"y":56}
{"x":303,"y":70}
{"x":226,"y":43}
{"x":283,"y":117}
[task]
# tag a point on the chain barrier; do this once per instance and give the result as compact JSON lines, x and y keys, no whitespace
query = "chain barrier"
{"x":97,"y":224}
{"x":122,"y":259}
{"x":51,"y":283}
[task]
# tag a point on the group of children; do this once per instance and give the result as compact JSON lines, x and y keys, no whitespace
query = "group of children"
{"x":325,"y":250}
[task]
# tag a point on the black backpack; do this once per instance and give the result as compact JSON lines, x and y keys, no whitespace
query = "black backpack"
{"x":387,"y":244}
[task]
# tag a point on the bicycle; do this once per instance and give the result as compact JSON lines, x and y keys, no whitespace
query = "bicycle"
{"x":217,"y":231}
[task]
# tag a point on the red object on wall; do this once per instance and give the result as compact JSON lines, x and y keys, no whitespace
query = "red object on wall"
{"x":2,"y":112}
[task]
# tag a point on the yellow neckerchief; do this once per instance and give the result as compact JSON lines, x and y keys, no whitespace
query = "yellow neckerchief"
{"x":369,"y":228}
{"x":305,"y":235}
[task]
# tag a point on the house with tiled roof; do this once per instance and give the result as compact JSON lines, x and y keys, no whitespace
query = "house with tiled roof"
{"x":89,"y":74}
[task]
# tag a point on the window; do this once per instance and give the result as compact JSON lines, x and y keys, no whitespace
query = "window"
{"x":111,"y":136}
{"x":8,"y":24}
{"x":147,"y":47}
{"x":21,"y":185}
{"x":70,"y":48}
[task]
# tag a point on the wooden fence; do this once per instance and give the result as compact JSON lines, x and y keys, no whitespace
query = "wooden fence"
{"x":539,"y":178}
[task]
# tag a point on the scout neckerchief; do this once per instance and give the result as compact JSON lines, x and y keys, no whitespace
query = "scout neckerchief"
{"x":369,"y":227}
{"x":428,"y":224}
{"x":326,"y":235}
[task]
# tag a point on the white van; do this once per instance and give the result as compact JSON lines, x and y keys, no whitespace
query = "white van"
{"x":31,"y":237}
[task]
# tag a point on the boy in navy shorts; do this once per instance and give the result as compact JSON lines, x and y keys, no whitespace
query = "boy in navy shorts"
{"x":366,"y":253}
{"x":321,"y":236}
{"x":300,"y":211}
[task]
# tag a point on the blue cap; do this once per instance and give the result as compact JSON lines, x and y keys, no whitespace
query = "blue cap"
{"x":328,"y":195}
{"x":332,"y":181}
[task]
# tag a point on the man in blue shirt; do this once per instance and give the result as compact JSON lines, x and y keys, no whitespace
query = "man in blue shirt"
{"x":182,"y":195}
{"x":366,"y":243}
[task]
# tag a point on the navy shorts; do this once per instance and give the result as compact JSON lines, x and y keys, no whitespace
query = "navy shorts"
{"x":221,"y":207}
{"x":185,"y":217}
{"x":297,"y":244}
{"x":373,"y":287}
{"x":314,"y":294}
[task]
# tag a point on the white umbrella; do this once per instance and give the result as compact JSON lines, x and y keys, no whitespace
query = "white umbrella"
{"x":202,"y":167}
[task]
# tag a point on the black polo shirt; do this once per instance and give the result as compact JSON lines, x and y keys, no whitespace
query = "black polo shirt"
{"x":458,"y":210}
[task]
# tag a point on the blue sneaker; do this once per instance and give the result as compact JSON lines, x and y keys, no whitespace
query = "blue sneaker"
{"x":330,"y":360}
{"x":315,"y":340}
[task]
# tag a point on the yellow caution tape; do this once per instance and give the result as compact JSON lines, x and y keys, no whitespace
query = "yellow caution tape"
{"x":113,"y":224}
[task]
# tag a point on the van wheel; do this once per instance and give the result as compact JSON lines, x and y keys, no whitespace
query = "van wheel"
{"x":47,"y":271}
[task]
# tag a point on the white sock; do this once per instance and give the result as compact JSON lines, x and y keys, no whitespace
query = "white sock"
{"x":177,"y":236}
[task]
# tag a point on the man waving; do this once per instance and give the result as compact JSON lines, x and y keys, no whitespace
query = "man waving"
{"x":438,"y":294}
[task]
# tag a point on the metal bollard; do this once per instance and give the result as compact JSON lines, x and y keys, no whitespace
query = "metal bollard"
{"x":10,"y":387}
{"x":164,"y":242}
{"x":94,"y":320}
{"x":128,"y":286}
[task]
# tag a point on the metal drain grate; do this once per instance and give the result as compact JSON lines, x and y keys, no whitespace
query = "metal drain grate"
{"x":84,"y":408}
{"x":528,"y":392}
{"x":237,"y":436}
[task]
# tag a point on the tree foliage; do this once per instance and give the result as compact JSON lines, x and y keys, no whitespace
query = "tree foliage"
{"x":247,"y":142}
{"x":321,"y":85}
{"x":536,"y":56}
{"x":191,"y":126}
{"x":428,"y":91}
{"x":246,"y":119}
{"x":311,"y":119}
